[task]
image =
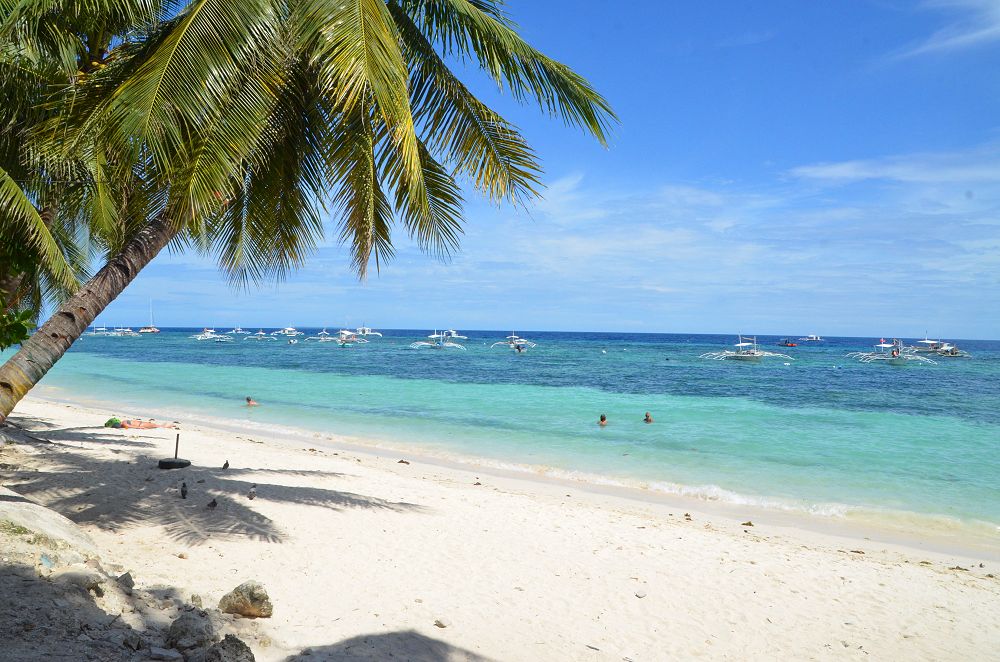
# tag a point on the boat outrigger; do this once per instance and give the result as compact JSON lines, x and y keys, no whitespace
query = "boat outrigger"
{"x":890,"y":353}
{"x":515,"y":342}
{"x":746,"y":350}
{"x":443,"y":340}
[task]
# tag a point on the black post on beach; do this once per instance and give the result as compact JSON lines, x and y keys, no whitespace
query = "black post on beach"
{"x":175,"y":462}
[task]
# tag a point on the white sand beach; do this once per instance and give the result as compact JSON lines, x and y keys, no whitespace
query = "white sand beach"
{"x":365,"y":557}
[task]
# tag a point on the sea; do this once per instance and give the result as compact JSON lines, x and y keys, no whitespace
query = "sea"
{"x":818,"y":433}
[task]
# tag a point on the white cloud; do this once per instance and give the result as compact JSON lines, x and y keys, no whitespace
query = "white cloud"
{"x":979,"y":25}
{"x":969,"y":167}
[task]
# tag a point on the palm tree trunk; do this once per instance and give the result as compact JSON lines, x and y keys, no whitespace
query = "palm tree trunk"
{"x":47,"y":345}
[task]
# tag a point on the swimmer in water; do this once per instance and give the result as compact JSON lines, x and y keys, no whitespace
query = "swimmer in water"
{"x":251,"y":402}
{"x":648,"y":418}
{"x":603,"y":421}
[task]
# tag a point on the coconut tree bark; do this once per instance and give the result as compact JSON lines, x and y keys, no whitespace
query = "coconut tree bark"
{"x":47,"y":345}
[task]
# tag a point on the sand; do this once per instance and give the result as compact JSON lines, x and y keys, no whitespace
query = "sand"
{"x":365,"y":557}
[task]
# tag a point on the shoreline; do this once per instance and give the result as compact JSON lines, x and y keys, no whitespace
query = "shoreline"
{"x":368,"y":557}
{"x":901,"y":529}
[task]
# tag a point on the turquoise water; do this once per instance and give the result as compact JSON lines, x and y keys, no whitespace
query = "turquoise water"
{"x":824,"y":434}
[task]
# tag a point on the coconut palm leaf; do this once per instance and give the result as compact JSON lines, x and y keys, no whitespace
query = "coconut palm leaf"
{"x":480,"y":29}
{"x":20,"y":218}
{"x":474,"y":139}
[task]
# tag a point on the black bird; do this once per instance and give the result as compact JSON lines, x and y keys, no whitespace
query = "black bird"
{"x":226,"y":465}
{"x":253,"y":493}
{"x":212,"y":504}
{"x":184,"y":490}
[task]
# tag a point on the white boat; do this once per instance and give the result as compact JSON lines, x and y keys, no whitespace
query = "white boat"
{"x":222,"y":338}
{"x":99,"y":331}
{"x":347,"y":338}
{"x":746,"y":350}
{"x":443,"y":340}
{"x":450,"y":334}
{"x":811,"y":338}
{"x":123,"y":331}
{"x":890,"y":353}
{"x":206,"y":334}
{"x":322,"y":336}
{"x":290,"y":331}
{"x":367,"y":331}
{"x":515,"y":342}
{"x":948,"y":350}
{"x":238,"y":331}
{"x":152,"y":327}
{"x":260,"y":335}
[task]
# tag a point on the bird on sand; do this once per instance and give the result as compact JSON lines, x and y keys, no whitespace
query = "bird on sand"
{"x":226,"y":465}
{"x":184,"y":490}
{"x":252,"y":494}
{"x":212,"y":504}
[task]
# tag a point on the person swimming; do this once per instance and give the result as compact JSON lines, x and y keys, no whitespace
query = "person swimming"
{"x":603,"y":421}
{"x":648,"y":418}
{"x":251,"y":402}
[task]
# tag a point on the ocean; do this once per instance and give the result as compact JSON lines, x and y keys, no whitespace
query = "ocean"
{"x":821,"y":434}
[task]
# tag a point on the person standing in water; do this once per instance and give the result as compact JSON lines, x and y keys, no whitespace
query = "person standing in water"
{"x":251,"y":402}
{"x":603,"y":421}
{"x":648,"y":418}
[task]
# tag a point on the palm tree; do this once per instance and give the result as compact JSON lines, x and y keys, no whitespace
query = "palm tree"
{"x":231,"y":127}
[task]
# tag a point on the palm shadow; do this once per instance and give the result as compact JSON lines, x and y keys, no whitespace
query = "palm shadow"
{"x":407,"y":645}
{"x":115,"y":493}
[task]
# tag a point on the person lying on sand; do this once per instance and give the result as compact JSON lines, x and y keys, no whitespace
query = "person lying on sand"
{"x":135,"y":423}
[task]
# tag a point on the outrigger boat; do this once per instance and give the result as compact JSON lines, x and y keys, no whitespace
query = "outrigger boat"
{"x":811,"y":338}
{"x":515,"y":342}
{"x":322,"y":336}
{"x":950,"y":351}
{"x":367,"y":331}
{"x":289,"y":331}
{"x":441,"y":340}
{"x":746,"y":350}
{"x":890,"y":353}
{"x":938,"y":348}
{"x":238,"y":331}
{"x":206,"y":334}
{"x":450,"y":334}
{"x":260,"y":335}
{"x":347,"y":338}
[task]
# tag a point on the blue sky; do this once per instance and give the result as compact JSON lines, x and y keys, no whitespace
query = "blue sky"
{"x":780,"y":167}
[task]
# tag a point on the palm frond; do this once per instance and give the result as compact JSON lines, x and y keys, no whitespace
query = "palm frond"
{"x":366,"y":217}
{"x":480,"y":29}
{"x":472,"y":138}
{"x":20,"y":218}
{"x":356,"y":46}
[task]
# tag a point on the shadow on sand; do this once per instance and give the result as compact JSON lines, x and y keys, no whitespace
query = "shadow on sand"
{"x":407,"y":645}
{"x":114,"y":494}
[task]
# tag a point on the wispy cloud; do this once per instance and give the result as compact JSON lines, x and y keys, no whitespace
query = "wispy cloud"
{"x":967,"y":166}
{"x":750,"y":38}
{"x":978,"y":25}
